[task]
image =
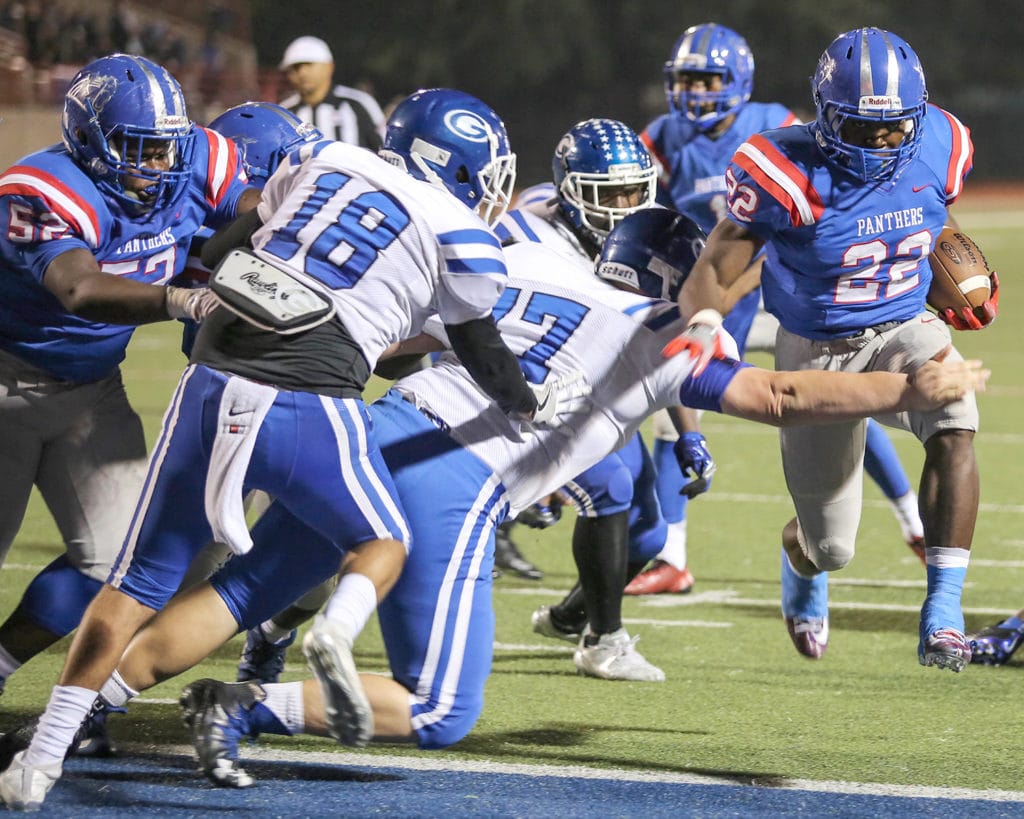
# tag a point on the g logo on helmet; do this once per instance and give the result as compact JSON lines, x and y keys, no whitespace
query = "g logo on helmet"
{"x":468,"y":125}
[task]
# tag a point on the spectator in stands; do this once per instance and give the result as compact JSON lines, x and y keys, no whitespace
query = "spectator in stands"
{"x":339,"y":112}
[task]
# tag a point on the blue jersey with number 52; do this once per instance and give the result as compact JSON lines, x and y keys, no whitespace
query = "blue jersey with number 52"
{"x":49,"y":206}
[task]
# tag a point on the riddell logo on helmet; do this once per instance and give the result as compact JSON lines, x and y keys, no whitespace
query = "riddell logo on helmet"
{"x":886,"y":103}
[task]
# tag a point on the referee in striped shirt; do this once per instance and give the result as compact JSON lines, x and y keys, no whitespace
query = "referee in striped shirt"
{"x":339,"y":112}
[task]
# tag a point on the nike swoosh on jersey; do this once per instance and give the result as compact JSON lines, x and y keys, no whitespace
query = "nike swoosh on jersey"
{"x":919,"y":188}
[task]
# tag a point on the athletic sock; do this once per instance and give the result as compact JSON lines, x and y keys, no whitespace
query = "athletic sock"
{"x":907,"y":515}
{"x":116,"y":692}
{"x":947,"y":570}
{"x":352,"y":603}
{"x":283,"y":711}
{"x":58,"y":725}
{"x":674,"y":551}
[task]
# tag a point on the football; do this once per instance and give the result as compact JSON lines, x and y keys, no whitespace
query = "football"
{"x":960,"y":276}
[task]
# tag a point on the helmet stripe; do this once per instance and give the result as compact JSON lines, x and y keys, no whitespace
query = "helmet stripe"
{"x":892,"y":88}
{"x":155,"y":91}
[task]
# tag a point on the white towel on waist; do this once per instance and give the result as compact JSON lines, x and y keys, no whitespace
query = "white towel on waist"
{"x":243,"y":406}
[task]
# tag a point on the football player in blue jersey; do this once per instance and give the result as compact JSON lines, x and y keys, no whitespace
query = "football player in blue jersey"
{"x":350,"y":254}
{"x":709,"y":77}
{"x":438,"y":430}
{"x":847,"y":210}
{"x":93,"y":230}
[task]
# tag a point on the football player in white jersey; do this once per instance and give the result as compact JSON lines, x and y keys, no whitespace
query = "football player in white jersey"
{"x":460,"y":469}
{"x":602,"y":172}
{"x":352,"y":253}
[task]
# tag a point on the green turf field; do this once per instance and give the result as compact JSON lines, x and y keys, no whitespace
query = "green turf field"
{"x":739,"y":702}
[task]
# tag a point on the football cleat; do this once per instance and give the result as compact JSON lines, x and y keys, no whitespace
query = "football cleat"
{"x":507,"y":555}
{"x":544,"y":623}
{"x":218,"y":715}
{"x":946,"y":648}
{"x":996,"y":644}
{"x":263,"y":661}
{"x":661,"y":578}
{"x":916,"y":545}
{"x":92,"y":738}
{"x":23,"y":787}
{"x":809,"y":635}
{"x":614,"y":657}
{"x":329,"y":652}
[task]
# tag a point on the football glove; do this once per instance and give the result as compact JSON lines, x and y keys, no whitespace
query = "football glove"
{"x":968,"y":319}
{"x":557,"y":396}
{"x":541,"y":515}
{"x":701,"y":340}
{"x":691,"y":451}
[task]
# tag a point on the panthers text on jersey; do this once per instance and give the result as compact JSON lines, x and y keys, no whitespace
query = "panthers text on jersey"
{"x":48,"y":206}
{"x":842,"y":255}
{"x":692,"y":175}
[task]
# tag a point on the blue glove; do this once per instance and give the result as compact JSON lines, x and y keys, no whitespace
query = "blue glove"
{"x":691,"y":451}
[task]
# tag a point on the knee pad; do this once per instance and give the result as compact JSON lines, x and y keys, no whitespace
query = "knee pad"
{"x":830,"y":554}
{"x":604,"y":489}
{"x":58,"y":596}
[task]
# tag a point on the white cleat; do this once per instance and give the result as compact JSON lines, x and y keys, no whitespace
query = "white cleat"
{"x":614,"y":657}
{"x":329,"y":652}
{"x":23,"y":787}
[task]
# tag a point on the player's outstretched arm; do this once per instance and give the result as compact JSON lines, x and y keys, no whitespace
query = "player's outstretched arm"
{"x":85,"y":291}
{"x":809,"y":397}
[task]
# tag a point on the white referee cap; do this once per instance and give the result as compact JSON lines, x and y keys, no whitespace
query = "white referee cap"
{"x":306,"y":50}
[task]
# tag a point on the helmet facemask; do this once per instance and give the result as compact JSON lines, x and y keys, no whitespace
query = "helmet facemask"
{"x":592,"y":195}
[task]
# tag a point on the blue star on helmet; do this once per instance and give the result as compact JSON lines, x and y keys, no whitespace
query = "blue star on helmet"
{"x":827,"y":68}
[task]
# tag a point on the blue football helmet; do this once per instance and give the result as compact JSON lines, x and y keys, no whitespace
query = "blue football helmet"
{"x":710,"y":49}
{"x":865,"y":78}
{"x":653,"y":251}
{"x":596,"y":160}
{"x":118,"y":112}
{"x":265,"y":134}
{"x":454,"y":141}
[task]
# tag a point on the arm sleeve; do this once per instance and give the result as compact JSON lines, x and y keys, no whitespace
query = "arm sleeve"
{"x":705,"y":392}
{"x":495,"y":369}
{"x":234,"y":234}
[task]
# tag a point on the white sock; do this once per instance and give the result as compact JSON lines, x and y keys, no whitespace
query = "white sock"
{"x":674,"y":550}
{"x":8,"y":665}
{"x":116,"y":691}
{"x":352,"y":603}
{"x":284,"y":700}
{"x":907,"y":515}
{"x":68,"y":706}
{"x":273,"y":632}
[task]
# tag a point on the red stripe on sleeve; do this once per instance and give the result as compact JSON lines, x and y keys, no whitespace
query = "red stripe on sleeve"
{"x":23,"y":187}
{"x":774,"y":159}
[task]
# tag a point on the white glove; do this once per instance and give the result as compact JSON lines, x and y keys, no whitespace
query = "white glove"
{"x":557,"y":396}
{"x":193,"y":303}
